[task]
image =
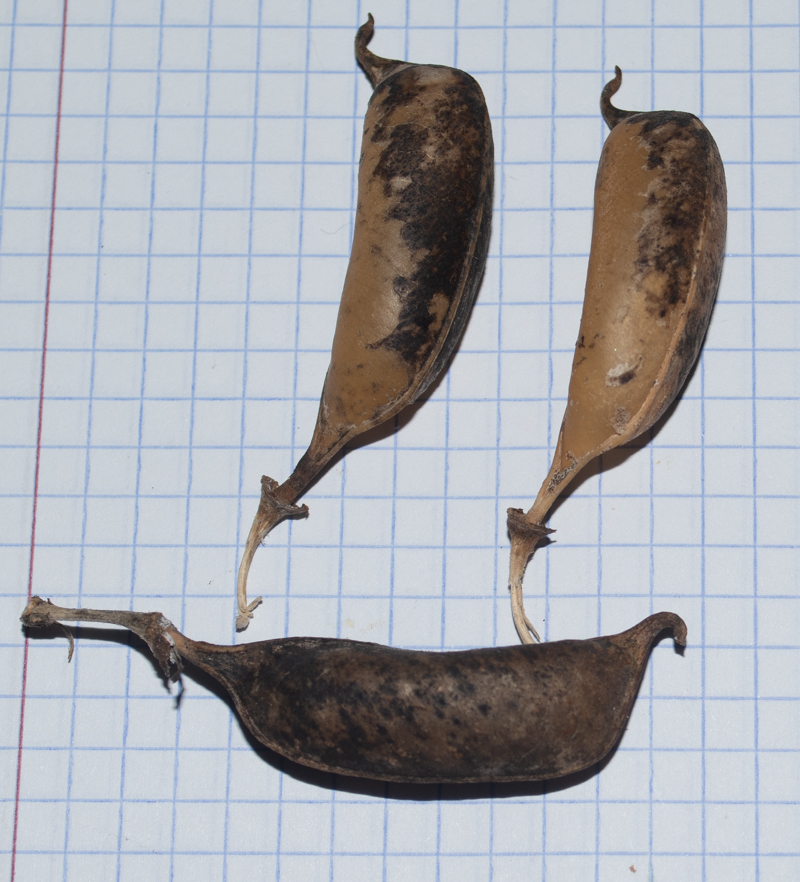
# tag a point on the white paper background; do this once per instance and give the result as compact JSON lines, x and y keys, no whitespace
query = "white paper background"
{"x":205,"y":196}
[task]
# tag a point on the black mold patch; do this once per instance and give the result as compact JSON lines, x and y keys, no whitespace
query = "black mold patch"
{"x":400,"y":89}
{"x":624,"y":379}
{"x":441,"y":166}
{"x":624,"y":373}
{"x":679,"y":149}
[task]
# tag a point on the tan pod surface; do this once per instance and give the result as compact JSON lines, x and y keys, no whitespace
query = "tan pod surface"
{"x":421,"y":236}
{"x":658,"y":239}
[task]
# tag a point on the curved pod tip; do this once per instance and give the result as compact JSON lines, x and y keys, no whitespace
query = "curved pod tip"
{"x":648,"y":629}
{"x":511,"y":713}
{"x":613,"y":115}
{"x":375,"y":67}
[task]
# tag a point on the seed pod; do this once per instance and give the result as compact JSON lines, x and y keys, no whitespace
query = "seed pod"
{"x":419,"y":247}
{"x":655,"y":263}
{"x":513,"y":713}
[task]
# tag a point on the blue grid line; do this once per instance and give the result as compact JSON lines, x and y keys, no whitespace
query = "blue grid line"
{"x":650,"y":434}
{"x":140,"y":426}
{"x":703,"y":766}
{"x":294,"y":410}
{"x":343,"y":480}
{"x":550,"y":372}
{"x":242,"y":423}
{"x":348,"y":28}
{"x":7,"y":107}
{"x":86,"y":476}
{"x":474,"y":801}
{"x":192,"y":414}
{"x":393,"y":531}
{"x":757,"y":832}
{"x":599,"y":568}
{"x":500,"y":596}
{"x":339,"y":72}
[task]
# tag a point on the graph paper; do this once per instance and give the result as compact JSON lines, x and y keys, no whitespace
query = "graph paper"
{"x":178,"y":193}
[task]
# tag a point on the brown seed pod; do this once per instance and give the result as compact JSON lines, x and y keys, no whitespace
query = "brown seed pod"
{"x":512,"y":713}
{"x":660,"y":213}
{"x":419,"y":247}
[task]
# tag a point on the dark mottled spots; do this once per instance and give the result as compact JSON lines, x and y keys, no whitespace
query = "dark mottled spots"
{"x":356,"y":733}
{"x":560,"y":476}
{"x":620,"y":420}
{"x":442,"y":166}
{"x":400,"y":89}
{"x":679,"y":149}
{"x":484,"y":709}
{"x":662,"y":129}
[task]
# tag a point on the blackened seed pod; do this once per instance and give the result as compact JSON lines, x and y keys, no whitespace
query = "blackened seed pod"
{"x":419,"y":247}
{"x":660,"y":216}
{"x":512,"y":713}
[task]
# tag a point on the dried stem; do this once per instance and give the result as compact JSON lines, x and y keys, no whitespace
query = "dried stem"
{"x":272,"y":509}
{"x":525,"y":536}
{"x":156,"y":630}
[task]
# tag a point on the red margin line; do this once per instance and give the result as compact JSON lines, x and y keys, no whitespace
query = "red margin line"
{"x":39,"y":433}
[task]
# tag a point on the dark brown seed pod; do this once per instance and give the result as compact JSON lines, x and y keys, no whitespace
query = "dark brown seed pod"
{"x":513,"y":713}
{"x":421,"y":235}
{"x":660,"y":216}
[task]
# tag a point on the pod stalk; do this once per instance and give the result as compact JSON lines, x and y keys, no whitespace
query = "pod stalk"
{"x":155,"y":629}
{"x":525,"y":536}
{"x":526,"y":532}
{"x":275,"y":506}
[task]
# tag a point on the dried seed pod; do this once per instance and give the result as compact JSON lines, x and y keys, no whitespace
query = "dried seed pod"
{"x":419,"y":247}
{"x":513,"y":713}
{"x":654,"y":268}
